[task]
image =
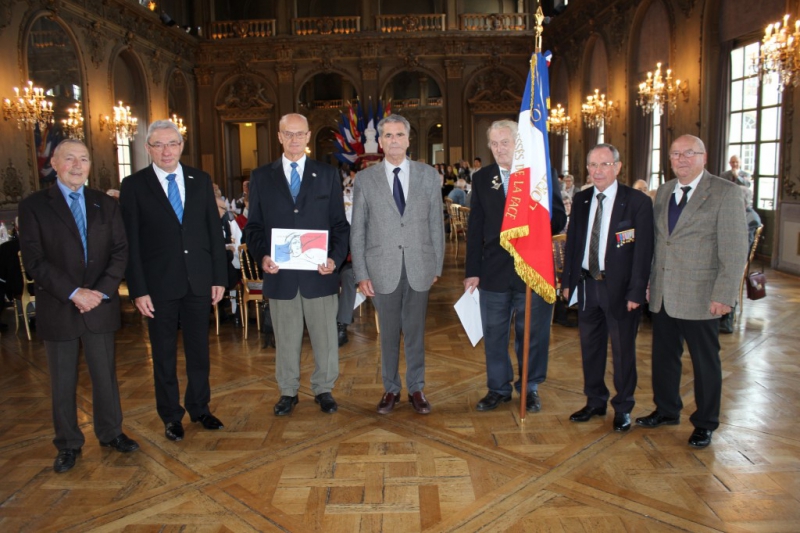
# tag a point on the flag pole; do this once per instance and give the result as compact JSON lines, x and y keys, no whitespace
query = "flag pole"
{"x":526,"y":347}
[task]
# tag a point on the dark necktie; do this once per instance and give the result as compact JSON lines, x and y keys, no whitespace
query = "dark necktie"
{"x":675,"y":210}
{"x":397,"y":192}
{"x":594,"y":243}
{"x":685,"y":196}
{"x":80,"y":221}
{"x":174,"y":196}
{"x":294,"y":186}
{"x":505,"y":174}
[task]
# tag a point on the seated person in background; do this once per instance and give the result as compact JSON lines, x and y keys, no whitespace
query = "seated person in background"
{"x":232,"y":237}
{"x":10,"y":272}
{"x":641,"y":185}
{"x":568,"y":188}
{"x":753,"y":220}
{"x":457,"y":194}
{"x":735,"y":174}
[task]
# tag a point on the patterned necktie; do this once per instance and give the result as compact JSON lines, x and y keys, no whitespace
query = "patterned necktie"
{"x":294,"y":186}
{"x":506,"y":174}
{"x":80,"y":221}
{"x":685,"y":197}
{"x":397,"y":192}
{"x":594,"y":243}
{"x":174,"y":197}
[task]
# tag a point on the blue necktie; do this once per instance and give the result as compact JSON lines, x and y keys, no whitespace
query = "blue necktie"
{"x":294,"y":186}
{"x":397,"y":192}
{"x":75,"y":207}
{"x":506,"y":174}
{"x":174,"y":197}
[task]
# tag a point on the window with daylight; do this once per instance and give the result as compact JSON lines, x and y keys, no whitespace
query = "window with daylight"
{"x":123,"y":157}
{"x":601,"y":132}
{"x":755,"y":125}
{"x":656,"y":172}
{"x":565,"y":162}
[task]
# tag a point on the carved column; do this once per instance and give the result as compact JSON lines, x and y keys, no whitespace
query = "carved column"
{"x":367,"y":15}
{"x":204,"y":133}
{"x":286,"y":99}
{"x":453,"y":117}
{"x":423,"y":91}
{"x":369,"y":79}
{"x":451,"y":10}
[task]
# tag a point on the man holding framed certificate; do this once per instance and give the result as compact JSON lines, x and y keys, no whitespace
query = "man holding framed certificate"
{"x":297,"y":218}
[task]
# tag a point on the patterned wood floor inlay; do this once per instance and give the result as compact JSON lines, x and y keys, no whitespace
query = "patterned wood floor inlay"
{"x":456,"y":469}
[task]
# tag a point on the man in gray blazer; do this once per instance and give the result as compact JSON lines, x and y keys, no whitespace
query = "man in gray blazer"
{"x":700,"y":251}
{"x":397,"y":247}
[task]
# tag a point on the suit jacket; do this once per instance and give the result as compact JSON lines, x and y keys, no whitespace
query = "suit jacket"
{"x":168,"y":258}
{"x":627,"y":263}
{"x":380,"y":238}
{"x":320,"y":205}
{"x":486,"y":259}
{"x":53,"y":255}
{"x":703,"y":260}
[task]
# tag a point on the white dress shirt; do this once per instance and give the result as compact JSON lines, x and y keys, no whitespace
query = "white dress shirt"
{"x":403,"y":175}
{"x":608,"y":206}
{"x":162,"y":179}
{"x":679,"y":191}
{"x":287,"y":168}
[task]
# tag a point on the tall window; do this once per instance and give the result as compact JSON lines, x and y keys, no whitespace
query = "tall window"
{"x":656,"y":172}
{"x":565,"y":162}
{"x":601,"y":132}
{"x":755,"y":125}
{"x":123,"y":157}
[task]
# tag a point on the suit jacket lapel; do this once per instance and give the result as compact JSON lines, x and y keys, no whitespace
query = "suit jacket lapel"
{"x":92,"y":210}
{"x":278,"y":180}
{"x":616,"y":216}
{"x":59,"y":205}
{"x":497,"y":196}
{"x":662,"y":222}
{"x":306,"y":183}
{"x":191,"y":191}
{"x":379,"y":175}
{"x":585,"y":209}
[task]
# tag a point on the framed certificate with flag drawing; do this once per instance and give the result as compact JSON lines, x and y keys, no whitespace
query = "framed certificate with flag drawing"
{"x":299,"y":249}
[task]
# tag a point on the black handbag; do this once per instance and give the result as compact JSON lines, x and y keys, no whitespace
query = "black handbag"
{"x":756,"y":285}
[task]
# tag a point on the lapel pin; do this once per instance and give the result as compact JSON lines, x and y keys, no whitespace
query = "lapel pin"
{"x":191,"y":177}
{"x":97,"y":205}
{"x":314,"y":174}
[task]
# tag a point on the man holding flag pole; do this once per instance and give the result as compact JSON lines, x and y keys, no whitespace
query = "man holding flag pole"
{"x":515,"y":212}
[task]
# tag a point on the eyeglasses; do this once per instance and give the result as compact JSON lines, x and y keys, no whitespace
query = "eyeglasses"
{"x":160,"y":146}
{"x":604,"y":166}
{"x":289,"y":135}
{"x":688,"y":154}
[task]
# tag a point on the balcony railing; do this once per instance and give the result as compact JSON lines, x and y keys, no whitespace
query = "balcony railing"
{"x":435,"y":102}
{"x":326,"y":25}
{"x":241,"y":29}
{"x":494,"y":22}
{"x":325,"y":104}
{"x":409,"y":23}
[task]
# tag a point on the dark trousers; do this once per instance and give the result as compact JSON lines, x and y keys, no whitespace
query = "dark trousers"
{"x":347,"y":298}
{"x":702,"y":338}
{"x":62,"y":360}
{"x":402,"y":311}
{"x":192,"y":313}
{"x":497,"y":311}
{"x":597,"y":324}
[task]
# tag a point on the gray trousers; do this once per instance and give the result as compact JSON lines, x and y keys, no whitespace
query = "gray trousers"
{"x":62,"y":360}
{"x":402,"y":310}
{"x":287,"y":321}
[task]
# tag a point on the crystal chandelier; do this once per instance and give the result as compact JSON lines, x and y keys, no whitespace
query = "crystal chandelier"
{"x":73,"y":125}
{"x":780,"y":54}
{"x":29,"y":110}
{"x":559,"y":121}
{"x":179,"y":122}
{"x":597,"y":110}
{"x":659,"y":92}
{"x":122,"y":125}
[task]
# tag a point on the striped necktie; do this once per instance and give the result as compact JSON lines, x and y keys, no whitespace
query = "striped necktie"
{"x":80,"y":221}
{"x":174,"y":197}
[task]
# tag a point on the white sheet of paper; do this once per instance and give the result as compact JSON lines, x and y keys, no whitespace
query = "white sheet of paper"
{"x":360,"y":299}
{"x":469,"y":312}
{"x":299,"y":249}
{"x":573,"y":297}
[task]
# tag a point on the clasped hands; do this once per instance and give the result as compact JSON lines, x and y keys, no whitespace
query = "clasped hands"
{"x":271,"y":267}
{"x":87,"y":299}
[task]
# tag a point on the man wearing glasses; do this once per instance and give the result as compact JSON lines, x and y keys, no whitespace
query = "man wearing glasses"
{"x":700,"y":251}
{"x":176,"y":270}
{"x":296,"y":192}
{"x":609,"y":251}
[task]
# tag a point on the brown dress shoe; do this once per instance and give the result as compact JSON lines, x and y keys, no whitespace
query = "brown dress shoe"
{"x":387,"y":403}
{"x":419,"y":402}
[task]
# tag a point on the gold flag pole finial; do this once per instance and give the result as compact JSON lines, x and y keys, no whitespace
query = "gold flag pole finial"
{"x":539,"y":28}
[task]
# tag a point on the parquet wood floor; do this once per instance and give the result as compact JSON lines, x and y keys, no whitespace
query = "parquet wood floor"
{"x":454,"y":470}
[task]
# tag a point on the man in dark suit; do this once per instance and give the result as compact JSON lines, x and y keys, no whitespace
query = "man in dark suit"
{"x":176,"y":271}
{"x":296,"y":192}
{"x":700,"y":253}
{"x":74,"y":246}
{"x":490,"y":268}
{"x":609,"y":251}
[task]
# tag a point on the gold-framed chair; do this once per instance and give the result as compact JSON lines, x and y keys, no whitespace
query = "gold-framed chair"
{"x":750,"y":257}
{"x":237,"y":289}
{"x":24,"y":299}
{"x":451,"y":218}
{"x":252,"y":280}
{"x":559,"y":255}
{"x":462,"y":222}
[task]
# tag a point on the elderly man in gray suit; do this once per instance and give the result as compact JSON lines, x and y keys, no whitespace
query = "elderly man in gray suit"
{"x":397,"y":246}
{"x":700,"y":250}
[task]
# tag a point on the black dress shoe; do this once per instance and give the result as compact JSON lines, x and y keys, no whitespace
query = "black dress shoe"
{"x":174,"y":431}
{"x":209,"y":421}
{"x":342,"y":333}
{"x":326,"y":402}
{"x":655,"y":419}
{"x":700,"y":438}
{"x":285,"y":405}
{"x":122,"y":444}
{"x":65,"y":459}
{"x":586,"y":413}
{"x":387,"y":403}
{"x":532,"y":403}
{"x":419,"y":402}
{"x":622,"y":422}
{"x":269,"y":341}
{"x":491,"y":401}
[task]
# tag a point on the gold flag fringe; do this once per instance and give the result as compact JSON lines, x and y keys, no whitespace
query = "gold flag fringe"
{"x":533,"y":279}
